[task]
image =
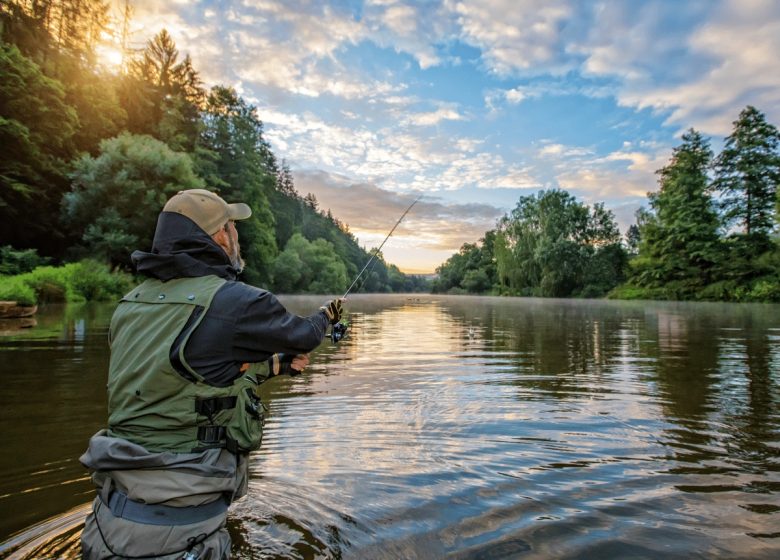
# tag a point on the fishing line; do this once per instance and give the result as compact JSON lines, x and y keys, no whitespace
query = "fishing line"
{"x":376,"y":252}
{"x":339,"y":330}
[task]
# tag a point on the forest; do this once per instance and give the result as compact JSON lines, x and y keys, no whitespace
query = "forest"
{"x":90,"y":157}
{"x":710,"y":232}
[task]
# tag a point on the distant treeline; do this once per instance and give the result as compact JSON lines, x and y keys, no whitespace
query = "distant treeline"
{"x":90,"y":157}
{"x":709,"y":233}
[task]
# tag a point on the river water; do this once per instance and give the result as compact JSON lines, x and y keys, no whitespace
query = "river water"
{"x":452,"y":427}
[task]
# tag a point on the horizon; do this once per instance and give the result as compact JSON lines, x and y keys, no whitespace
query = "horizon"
{"x":475,"y":104}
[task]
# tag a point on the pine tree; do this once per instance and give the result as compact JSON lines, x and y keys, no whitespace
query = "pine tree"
{"x":679,"y":242}
{"x":748,"y":174}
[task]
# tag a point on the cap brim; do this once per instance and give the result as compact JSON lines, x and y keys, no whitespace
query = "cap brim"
{"x":239,"y":211}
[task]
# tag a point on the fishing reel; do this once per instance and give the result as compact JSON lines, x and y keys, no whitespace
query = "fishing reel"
{"x":338,"y":331}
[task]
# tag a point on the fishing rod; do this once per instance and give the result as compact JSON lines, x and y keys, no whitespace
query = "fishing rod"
{"x":339,"y":330}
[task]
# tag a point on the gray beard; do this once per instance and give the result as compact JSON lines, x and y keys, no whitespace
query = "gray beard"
{"x":237,"y":262}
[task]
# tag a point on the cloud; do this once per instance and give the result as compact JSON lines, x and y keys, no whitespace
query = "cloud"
{"x":415,"y":29}
{"x":371,"y":212}
{"x":724,"y":59}
{"x":517,"y":35}
{"x":559,"y":150}
{"x":622,"y":174}
{"x":433,"y":118}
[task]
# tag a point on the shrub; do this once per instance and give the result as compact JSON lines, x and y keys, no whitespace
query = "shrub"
{"x":630,"y":291}
{"x":13,"y":261}
{"x":76,"y":282}
{"x":49,"y":283}
{"x":725,"y":290}
{"x":765,"y":290}
{"x":94,"y":281}
{"x":12,"y":288}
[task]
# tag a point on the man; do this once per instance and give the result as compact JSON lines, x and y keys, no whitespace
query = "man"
{"x":189,"y":347}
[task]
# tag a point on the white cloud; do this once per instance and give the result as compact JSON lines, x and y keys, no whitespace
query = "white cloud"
{"x":703,"y":76}
{"x":560,"y":151}
{"x":625,"y":173}
{"x":433,"y":117}
{"x":516,"y":34}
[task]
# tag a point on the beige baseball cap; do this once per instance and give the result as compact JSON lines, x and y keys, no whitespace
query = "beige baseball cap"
{"x":206,"y":209}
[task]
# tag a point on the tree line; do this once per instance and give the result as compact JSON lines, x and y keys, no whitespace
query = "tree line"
{"x":90,"y":156}
{"x":710,"y":232}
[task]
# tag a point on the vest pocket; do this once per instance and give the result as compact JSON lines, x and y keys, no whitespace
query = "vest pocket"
{"x":247,"y":425}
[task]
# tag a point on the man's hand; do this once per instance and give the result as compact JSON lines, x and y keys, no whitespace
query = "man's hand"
{"x":332,"y":310}
{"x":285,"y":364}
{"x":298,"y":363}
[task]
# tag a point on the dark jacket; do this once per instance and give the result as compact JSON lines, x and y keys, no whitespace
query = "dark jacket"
{"x":243,"y":323}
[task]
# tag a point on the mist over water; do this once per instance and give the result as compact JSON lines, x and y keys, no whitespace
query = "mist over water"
{"x":454,"y":427}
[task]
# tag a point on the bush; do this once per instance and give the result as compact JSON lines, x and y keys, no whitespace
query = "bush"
{"x":592,"y":291}
{"x":12,"y":288}
{"x":94,"y":281}
{"x":49,"y":283}
{"x":13,"y":261}
{"x":765,"y":290}
{"x":725,"y":290}
{"x":76,"y":282}
{"x":630,"y":291}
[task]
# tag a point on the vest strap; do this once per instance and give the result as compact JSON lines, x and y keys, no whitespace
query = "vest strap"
{"x":216,"y":436}
{"x":157,"y":514}
{"x":209,"y":407}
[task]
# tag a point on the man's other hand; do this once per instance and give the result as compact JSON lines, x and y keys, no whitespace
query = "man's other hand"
{"x":333,"y":310}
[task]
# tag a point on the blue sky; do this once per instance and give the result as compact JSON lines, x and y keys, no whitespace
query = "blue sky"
{"x":476,"y":103}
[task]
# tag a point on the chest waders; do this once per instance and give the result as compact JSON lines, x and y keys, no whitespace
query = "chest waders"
{"x":157,"y":401}
{"x":167,"y":407}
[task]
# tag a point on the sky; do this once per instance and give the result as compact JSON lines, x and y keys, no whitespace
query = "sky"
{"x":476,"y":103}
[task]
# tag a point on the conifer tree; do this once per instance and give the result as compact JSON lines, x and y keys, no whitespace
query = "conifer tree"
{"x":748,"y":174}
{"x":679,"y":242}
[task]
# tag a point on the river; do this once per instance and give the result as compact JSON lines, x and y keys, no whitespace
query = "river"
{"x":452,"y":427}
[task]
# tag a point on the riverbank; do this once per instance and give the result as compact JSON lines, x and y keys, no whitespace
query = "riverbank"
{"x":87,"y":280}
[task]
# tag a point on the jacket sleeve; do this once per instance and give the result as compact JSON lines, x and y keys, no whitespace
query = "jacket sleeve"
{"x":266,"y":327}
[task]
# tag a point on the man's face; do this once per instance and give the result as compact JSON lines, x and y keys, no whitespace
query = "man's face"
{"x":235,"y":249}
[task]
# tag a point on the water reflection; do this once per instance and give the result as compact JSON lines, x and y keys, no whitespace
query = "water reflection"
{"x":460,"y":428}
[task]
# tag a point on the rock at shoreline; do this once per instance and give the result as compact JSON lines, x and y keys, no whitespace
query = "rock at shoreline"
{"x":12,"y":310}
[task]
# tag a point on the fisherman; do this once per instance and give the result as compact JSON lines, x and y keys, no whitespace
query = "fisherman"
{"x":189,"y":348}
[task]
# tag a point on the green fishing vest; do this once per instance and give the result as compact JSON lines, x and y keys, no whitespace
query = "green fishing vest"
{"x":149,"y":402}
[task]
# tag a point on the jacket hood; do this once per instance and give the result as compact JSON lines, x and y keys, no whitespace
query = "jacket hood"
{"x":181,"y":249}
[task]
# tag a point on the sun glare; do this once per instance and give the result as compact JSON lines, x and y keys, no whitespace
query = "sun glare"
{"x":109,"y":57}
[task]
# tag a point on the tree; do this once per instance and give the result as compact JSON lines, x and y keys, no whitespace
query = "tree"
{"x":117,"y":195}
{"x":551,"y":245}
{"x":306,"y":266}
{"x":748,"y":174}
{"x":246,"y":167}
{"x":162,"y":96}
{"x":36,"y":132}
{"x":679,"y":237}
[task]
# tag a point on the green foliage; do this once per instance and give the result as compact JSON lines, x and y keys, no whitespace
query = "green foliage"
{"x":551,"y":245}
{"x":75,"y":282}
{"x":36,"y":130}
{"x":12,"y":288}
{"x":309,"y":266}
{"x":162,"y":95}
{"x":243,"y":161}
{"x":471,"y":270}
{"x":89,"y":280}
{"x":117,"y":195}
{"x":679,"y":237}
{"x":49,"y":283}
{"x":748,"y":174}
{"x":14,"y":261}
